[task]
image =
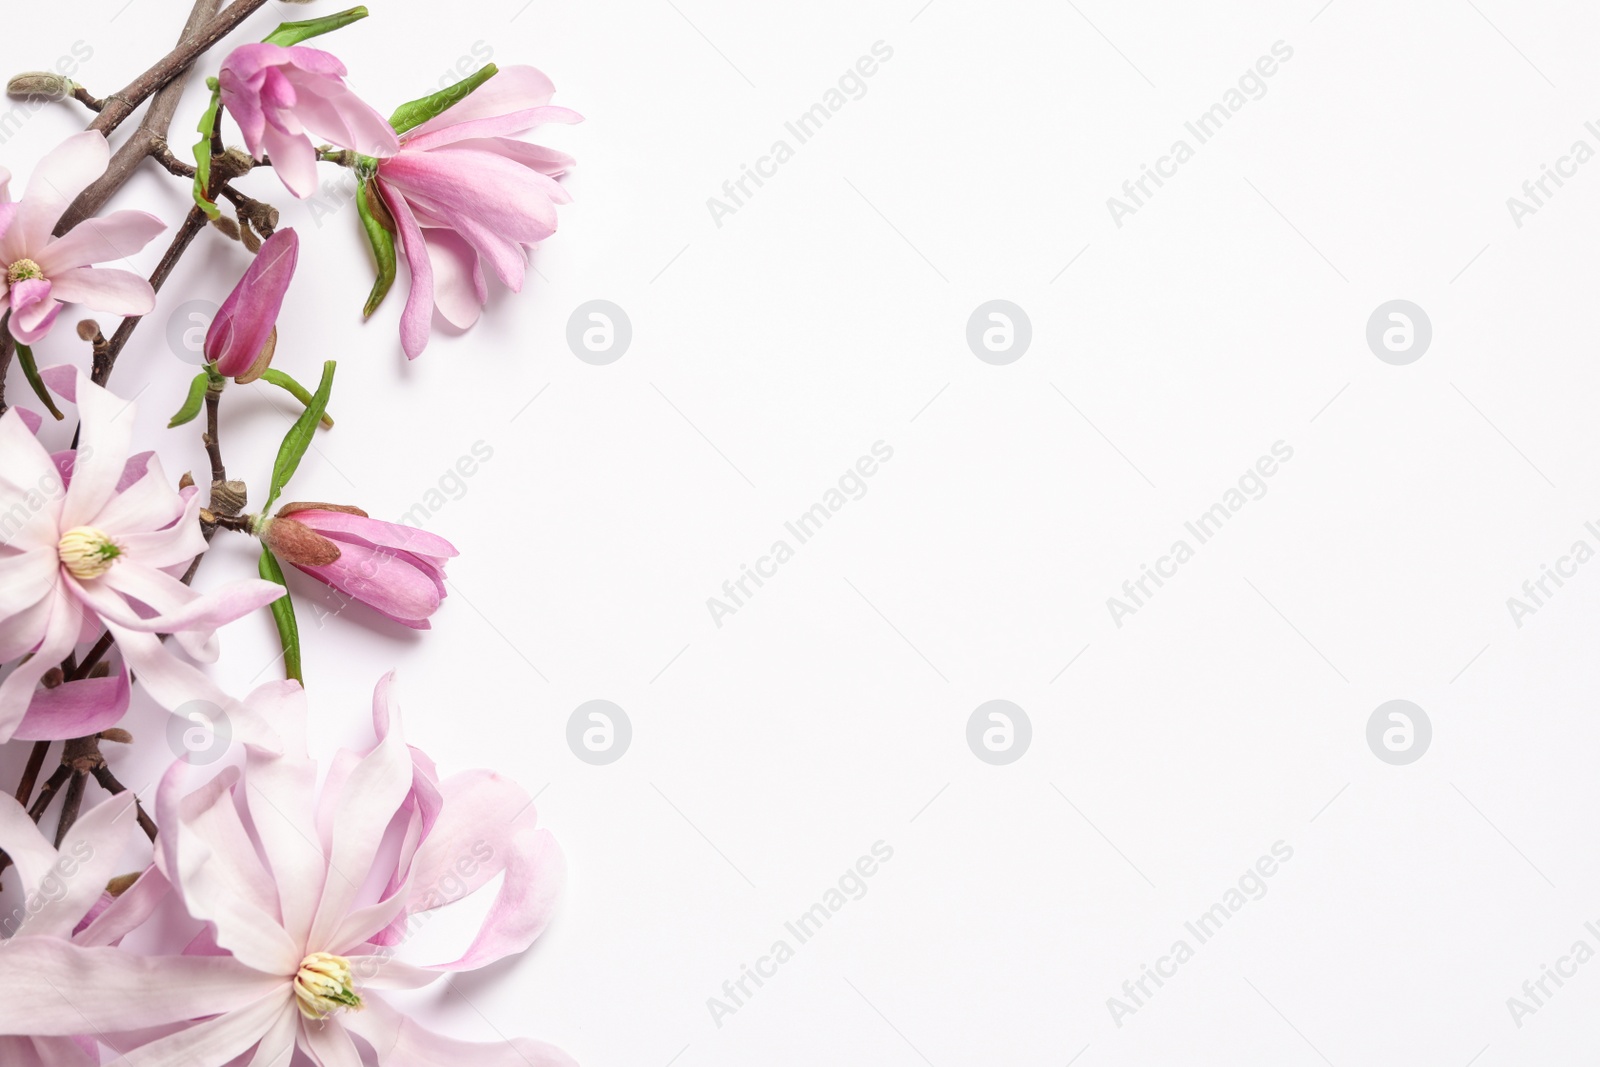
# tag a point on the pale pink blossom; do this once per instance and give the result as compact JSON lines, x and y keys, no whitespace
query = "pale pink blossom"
{"x":463,"y":191}
{"x":306,"y":899}
{"x":64,"y":898}
{"x":41,"y":271}
{"x":93,"y":542}
{"x":397,"y":570}
{"x":278,"y":95}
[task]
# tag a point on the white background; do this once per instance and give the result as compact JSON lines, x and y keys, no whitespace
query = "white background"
{"x":829,"y":313}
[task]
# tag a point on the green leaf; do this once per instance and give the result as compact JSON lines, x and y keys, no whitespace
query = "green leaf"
{"x":283,"y":615}
{"x":379,"y":224}
{"x":294,"y":389}
{"x":191,"y":404}
{"x":415,"y":113}
{"x":292,"y":33}
{"x":202,"y":157}
{"x":298,"y":439}
{"x":30,"y":371}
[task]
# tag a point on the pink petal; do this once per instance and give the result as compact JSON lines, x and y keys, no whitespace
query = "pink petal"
{"x":61,"y":175}
{"x":281,"y":801}
{"x":76,"y":709}
{"x":45,"y":1052}
{"x":417,"y":320}
{"x":136,"y":904}
{"x":547,"y":161}
{"x":332,"y":111}
{"x":490,"y":819}
{"x":104,"y":443}
{"x":100,"y":240}
{"x":512,"y":89}
{"x":215,"y":1042}
{"x":374,"y":791}
{"x":21,"y":840}
{"x":375,"y":532}
{"x":56,"y":988}
{"x":91,"y":855}
{"x":17,"y":691}
{"x":498,"y":125}
{"x":189,"y":610}
{"x":27,"y":577}
{"x":382,"y":579}
{"x":329,"y":1045}
{"x":211,"y":860}
{"x":33,"y":310}
{"x":108,"y":289}
{"x":459,"y":289}
{"x":294,"y":158}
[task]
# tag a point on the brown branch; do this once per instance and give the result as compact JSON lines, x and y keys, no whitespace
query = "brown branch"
{"x":109,"y":783}
{"x":47,"y":792}
{"x":212,"y":438}
{"x":192,"y":224}
{"x":71,"y":806}
{"x":152,"y":129}
{"x":30,"y":774}
{"x":119,"y":106}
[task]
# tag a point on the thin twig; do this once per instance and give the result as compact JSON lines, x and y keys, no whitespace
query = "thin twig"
{"x":152,"y":128}
{"x":109,"y":783}
{"x":30,"y":774}
{"x":71,"y":806}
{"x":192,"y":224}
{"x":119,"y":106}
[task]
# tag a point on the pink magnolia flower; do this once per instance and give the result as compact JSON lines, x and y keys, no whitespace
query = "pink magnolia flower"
{"x":248,"y":318}
{"x":92,"y":543}
{"x":463,"y":191}
{"x":306,"y":899}
{"x":399,"y":570}
{"x":277,"y":95}
{"x":43,"y":271}
{"x":65,"y":899}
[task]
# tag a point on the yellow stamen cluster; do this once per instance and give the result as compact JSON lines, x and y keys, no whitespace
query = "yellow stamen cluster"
{"x":24,"y":270}
{"x":325,"y":985}
{"x":87,"y":552}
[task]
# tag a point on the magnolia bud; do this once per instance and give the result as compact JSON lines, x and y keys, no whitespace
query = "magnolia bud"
{"x":248,"y":236}
{"x":121,"y":884}
{"x":227,"y":226}
{"x":89,"y":330}
{"x":186,"y":481}
{"x":117,"y":734}
{"x":294,"y":542}
{"x":40,"y":85}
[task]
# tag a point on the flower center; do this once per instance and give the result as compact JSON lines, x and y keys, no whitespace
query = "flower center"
{"x":324,"y":985}
{"x":87,"y":552}
{"x":24,"y":270}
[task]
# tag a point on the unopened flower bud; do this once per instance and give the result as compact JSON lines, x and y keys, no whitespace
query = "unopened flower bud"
{"x":116,"y":734}
{"x":89,"y":330}
{"x":227,"y":226}
{"x":295,"y":542}
{"x":40,"y":85}
{"x":249,"y":238}
{"x":121,"y":884}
